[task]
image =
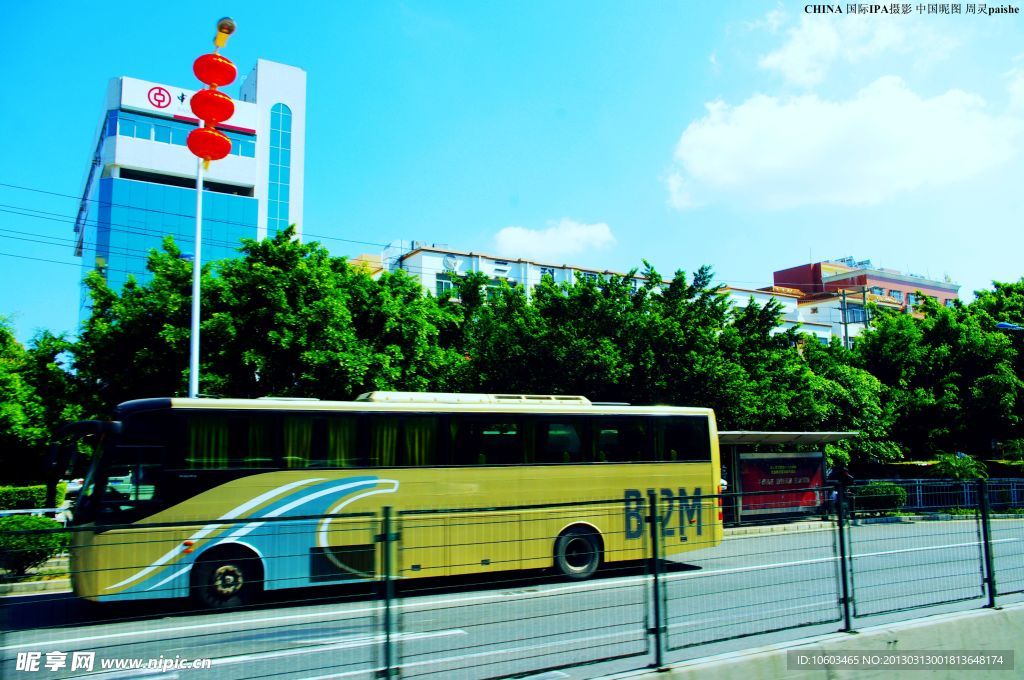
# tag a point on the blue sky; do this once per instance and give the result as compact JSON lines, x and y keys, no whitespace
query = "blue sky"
{"x":750,"y":136}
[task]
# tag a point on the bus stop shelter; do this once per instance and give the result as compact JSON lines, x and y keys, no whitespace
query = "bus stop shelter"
{"x":748,"y":469}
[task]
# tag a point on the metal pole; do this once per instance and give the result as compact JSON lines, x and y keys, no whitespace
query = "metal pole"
{"x":389,"y":594}
{"x":655,"y":529}
{"x":844,"y":578}
{"x":193,"y":364}
{"x":986,"y":539}
{"x":846,"y":324}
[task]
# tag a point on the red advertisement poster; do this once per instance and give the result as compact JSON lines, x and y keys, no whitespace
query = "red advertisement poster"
{"x":781,"y":472}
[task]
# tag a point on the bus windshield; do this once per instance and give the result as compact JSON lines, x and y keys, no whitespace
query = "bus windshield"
{"x":121,"y":484}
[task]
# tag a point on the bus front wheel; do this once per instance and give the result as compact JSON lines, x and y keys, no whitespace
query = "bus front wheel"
{"x":578,"y":553}
{"x":226,"y":581}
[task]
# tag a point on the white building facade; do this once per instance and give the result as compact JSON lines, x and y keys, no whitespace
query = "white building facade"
{"x":140,"y":185}
{"x":438,"y":266}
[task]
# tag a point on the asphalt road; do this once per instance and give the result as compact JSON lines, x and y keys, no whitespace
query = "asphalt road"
{"x":725,"y":598}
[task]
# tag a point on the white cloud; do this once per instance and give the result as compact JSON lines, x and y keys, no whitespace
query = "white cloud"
{"x":771,"y":21}
{"x":561,"y":239}
{"x":886,"y":140}
{"x":819,"y":42}
{"x":1015,"y":85}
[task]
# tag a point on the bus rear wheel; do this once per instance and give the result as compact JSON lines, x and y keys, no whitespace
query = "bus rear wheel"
{"x":226,"y":581}
{"x":578,"y":553}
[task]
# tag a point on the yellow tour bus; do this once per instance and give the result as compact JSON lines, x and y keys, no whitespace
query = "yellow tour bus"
{"x":219,"y":499}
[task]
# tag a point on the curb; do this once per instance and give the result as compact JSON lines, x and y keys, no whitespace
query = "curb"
{"x":57,"y":585}
{"x":801,"y":527}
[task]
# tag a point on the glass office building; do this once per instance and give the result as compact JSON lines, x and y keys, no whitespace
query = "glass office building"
{"x":140,"y":187}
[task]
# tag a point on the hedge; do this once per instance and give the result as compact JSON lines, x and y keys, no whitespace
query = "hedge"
{"x":28,"y":541}
{"x":28,"y":497}
{"x":878,"y":497}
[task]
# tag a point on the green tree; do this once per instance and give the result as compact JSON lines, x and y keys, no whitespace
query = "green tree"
{"x":23,"y":434}
{"x":949,"y":375}
{"x":135,"y":343}
{"x":279,"y":324}
{"x":848,"y":398}
{"x":58,"y":389}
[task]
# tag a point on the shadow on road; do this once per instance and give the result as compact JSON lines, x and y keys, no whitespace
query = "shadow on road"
{"x":63,"y":610}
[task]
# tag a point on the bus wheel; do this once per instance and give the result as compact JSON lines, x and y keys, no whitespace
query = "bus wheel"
{"x":225,"y":581}
{"x":578,"y":552}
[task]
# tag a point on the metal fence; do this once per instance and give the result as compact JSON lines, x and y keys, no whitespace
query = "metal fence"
{"x":386,"y":594}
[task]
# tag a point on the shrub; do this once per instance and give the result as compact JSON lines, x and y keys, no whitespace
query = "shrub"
{"x":28,"y":497}
{"x":958,"y":466}
{"x":28,"y":541}
{"x":878,"y":497}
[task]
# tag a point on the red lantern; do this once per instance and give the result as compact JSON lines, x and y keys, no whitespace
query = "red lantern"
{"x":212,"y":106}
{"x":214,"y":70}
{"x":209,"y":143}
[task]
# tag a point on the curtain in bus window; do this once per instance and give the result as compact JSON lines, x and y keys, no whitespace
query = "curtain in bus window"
{"x":384,"y":441}
{"x":341,"y":441}
{"x":420,"y":441}
{"x":260,"y":450}
{"x":207,"y":442}
{"x":298,"y":439}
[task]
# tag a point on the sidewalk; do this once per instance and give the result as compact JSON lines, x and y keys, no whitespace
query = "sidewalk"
{"x":57,"y":584}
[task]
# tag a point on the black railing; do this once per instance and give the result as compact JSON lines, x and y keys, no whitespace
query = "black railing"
{"x":489,"y":592}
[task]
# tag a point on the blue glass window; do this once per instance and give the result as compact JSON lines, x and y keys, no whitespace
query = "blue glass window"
{"x":172,"y":131}
{"x":280,"y":168}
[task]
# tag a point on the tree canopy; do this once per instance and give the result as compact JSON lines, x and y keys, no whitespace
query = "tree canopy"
{"x":286,"y":318}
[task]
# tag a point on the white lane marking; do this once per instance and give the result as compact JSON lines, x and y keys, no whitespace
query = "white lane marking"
{"x":504,"y":653}
{"x":210,"y":528}
{"x":715,"y":572}
{"x":347,"y":644}
{"x":933,"y":547}
{"x":738,"y":619}
{"x":593,"y":585}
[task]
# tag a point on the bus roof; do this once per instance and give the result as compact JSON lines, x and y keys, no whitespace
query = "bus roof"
{"x":422,"y":402}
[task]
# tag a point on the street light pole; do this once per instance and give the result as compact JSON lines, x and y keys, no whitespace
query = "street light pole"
{"x":208,"y":144}
{"x":197,"y":269}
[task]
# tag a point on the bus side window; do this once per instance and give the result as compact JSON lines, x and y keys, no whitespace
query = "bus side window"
{"x":256,"y":441}
{"x":621,"y":440}
{"x":560,"y":442}
{"x":207,"y":442}
{"x":384,"y":437}
{"x":335,"y":441}
{"x":419,"y":441}
{"x":298,"y":441}
{"x":403,"y":441}
{"x":683,"y":438}
{"x":481,"y":441}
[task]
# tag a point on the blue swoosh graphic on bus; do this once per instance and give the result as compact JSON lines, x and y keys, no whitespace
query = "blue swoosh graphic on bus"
{"x":234,"y":513}
{"x":167,"y":577}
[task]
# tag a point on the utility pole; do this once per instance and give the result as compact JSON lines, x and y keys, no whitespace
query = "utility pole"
{"x":864,"y":294}
{"x":846,"y":322}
